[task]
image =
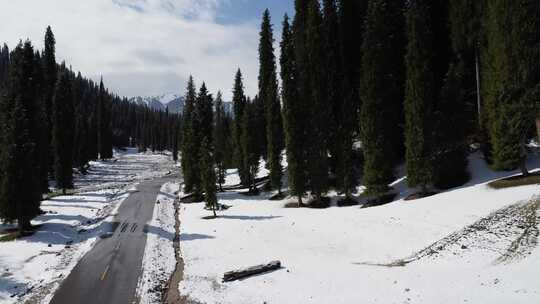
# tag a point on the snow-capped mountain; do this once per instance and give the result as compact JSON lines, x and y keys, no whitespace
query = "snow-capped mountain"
{"x":173,"y":102}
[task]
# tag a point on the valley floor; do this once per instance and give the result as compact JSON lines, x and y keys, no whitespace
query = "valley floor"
{"x":472,"y":244}
{"x":32,"y":268}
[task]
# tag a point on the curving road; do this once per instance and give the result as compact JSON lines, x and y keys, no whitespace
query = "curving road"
{"x":109,"y":273}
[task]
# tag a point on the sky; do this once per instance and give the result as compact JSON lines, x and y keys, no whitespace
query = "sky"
{"x":149,"y":47}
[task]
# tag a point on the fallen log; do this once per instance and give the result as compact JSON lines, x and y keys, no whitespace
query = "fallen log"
{"x":250,"y":271}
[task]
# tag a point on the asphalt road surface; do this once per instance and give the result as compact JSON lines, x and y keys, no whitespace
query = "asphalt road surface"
{"x":109,"y":273}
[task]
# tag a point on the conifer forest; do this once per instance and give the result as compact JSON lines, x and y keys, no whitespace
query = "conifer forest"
{"x":376,"y":151}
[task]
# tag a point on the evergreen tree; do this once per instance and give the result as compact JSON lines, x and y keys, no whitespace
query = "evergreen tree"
{"x":175,"y":140}
{"x":382,"y":82}
{"x":419,"y":94}
{"x":317,"y":149}
{"x":510,"y":78}
{"x":220,"y":140}
{"x":334,"y":79}
{"x":454,"y":112}
{"x":239,"y":103}
{"x":208,"y":175}
{"x":63,"y":126}
{"x":104,"y":124}
{"x":21,"y":193}
{"x":249,"y":144}
{"x":203,"y":129}
{"x":268,"y":92}
{"x":50,"y":77}
{"x":189,"y":145}
{"x":450,"y":140}
{"x":292,"y":114}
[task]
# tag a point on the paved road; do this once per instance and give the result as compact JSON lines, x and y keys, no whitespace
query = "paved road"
{"x":109,"y":273}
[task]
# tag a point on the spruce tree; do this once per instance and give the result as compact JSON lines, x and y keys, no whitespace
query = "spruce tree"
{"x":510,"y":78}
{"x":268,"y":93}
{"x":63,"y":126}
{"x":249,"y":144}
{"x":239,"y":103}
{"x":317,"y":136}
{"x":293,"y":114}
{"x":50,"y":76}
{"x":104,"y":123}
{"x":21,"y":193}
{"x":455,"y":110}
{"x":203,"y":129}
{"x":189,"y":147}
{"x":220,"y":140}
{"x":381,"y":89}
{"x":208,"y":175}
{"x":419,"y":94}
{"x":334,"y":80}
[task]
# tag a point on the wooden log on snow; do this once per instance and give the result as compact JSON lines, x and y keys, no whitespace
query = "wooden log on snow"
{"x":250,"y":271}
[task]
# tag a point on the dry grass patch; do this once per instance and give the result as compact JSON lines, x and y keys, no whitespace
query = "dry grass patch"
{"x":516,"y":181}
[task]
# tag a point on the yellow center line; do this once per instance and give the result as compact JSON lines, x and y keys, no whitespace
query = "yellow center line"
{"x":104,"y":274}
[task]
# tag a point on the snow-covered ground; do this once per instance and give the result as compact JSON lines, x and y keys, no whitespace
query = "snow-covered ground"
{"x":472,"y":244}
{"x":159,"y":257}
{"x":31,"y":268}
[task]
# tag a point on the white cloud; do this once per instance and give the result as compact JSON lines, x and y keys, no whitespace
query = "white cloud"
{"x":141,"y":47}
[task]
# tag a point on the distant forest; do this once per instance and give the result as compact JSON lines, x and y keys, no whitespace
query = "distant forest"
{"x":53,"y":120}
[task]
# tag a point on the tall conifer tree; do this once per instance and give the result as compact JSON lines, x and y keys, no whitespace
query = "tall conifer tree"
{"x":268,"y":92}
{"x":104,"y":123}
{"x":220,"y":140}
{"x":510,"y":78}
{"x":292,"y":114}
{"x":189,"y":146}
{"x":317,"y":149}
{"x":63,"y":126}
{"x":239,"y":103}
{"x":21,"y":193}
{"x":249,"y":144}
{"x":50,"y":76}
{"x":419,"y":94}
{"x":382,"y":82}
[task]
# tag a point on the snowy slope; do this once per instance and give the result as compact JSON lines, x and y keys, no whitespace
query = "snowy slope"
{"x":481,"y":248}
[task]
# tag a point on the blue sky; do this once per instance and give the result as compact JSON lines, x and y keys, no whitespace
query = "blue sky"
{"x":241,"y":10}
{"x":150,"y":47}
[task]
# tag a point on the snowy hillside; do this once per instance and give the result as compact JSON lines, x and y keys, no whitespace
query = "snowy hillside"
{"x":472,"y":244}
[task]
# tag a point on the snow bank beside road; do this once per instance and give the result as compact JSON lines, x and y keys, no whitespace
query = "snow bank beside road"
{"x":159,"y":258}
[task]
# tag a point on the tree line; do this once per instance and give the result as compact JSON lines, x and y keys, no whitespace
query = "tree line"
{"x":367,"y":85}
{"x":53,"y":120}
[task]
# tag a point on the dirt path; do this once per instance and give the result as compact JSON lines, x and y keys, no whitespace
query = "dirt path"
{"x":172,"y":296}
